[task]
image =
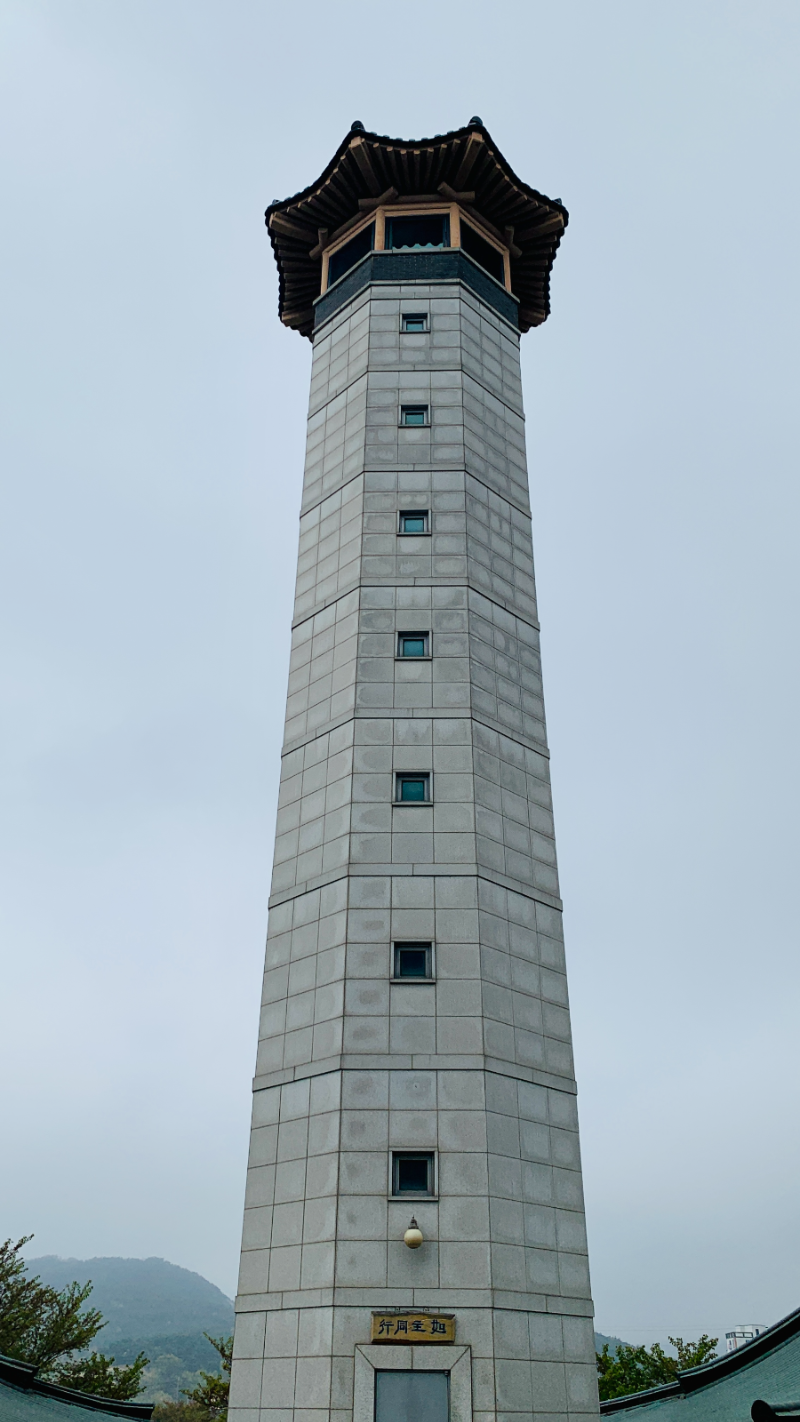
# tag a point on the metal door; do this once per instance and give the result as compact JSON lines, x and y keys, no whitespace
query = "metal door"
{"x":412,"y":1397}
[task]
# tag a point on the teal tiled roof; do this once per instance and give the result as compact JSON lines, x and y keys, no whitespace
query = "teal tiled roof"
{"x":766,"y":1369}
{"x":26,"y":1398}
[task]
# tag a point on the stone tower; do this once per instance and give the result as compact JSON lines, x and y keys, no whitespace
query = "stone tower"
{"x":414,"y":1057}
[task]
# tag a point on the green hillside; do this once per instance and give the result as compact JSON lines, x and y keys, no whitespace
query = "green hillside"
{"x":151,"y":1306}
{"x":613,"y":1343}
{"x":142,"y":1297}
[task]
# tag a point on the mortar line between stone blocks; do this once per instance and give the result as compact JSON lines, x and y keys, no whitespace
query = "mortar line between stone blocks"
{"x":374,"y":582}
{"x":416,"y":713}
{"x":426,"y":871}
{"x":352,"y":1062}
{"x":416,"y":370}
{"x":422,"y":468}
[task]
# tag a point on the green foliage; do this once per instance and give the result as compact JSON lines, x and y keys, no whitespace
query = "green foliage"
{"x":171,"y":1411}
{"x":47,"y":1327}
{"x":212,"y":1393}
{"x":98,"y":1375}
{"x":176,"y":1361}
{"x":633,"y":1369}
{"x":167,"y":1377}
{"x":208,"y":1401}
{"x":37,"y":1323}
{"x":188,"y":1353}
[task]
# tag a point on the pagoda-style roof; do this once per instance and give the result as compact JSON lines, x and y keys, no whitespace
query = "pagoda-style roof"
{"x":464,"y":166}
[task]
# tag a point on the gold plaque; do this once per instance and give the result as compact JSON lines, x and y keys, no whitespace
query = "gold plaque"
{"x":413,"y":1328}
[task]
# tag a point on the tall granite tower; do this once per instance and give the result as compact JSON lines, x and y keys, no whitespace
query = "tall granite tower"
{"x":414,"y":1246}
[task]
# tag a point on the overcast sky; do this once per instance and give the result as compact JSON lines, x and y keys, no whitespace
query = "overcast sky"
{"x":152,"y":452}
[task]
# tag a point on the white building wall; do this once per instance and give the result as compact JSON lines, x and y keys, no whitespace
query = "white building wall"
{"x":477,"y":1064}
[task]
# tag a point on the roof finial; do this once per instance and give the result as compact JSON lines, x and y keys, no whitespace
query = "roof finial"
{"x":357,"y":126}
{"x":475,"y":119}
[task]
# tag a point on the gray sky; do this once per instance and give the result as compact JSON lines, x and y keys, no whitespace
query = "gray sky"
{"x":152,"y":451}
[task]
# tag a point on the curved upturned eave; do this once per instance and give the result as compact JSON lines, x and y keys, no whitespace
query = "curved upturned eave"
{"x":365,"y":165}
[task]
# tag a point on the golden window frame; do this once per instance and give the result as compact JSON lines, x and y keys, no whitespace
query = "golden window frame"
{"x":379,"y":214}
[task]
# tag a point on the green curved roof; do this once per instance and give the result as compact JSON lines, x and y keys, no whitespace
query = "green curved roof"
{"x":766,"y":1369}
{"x":26,"y":1398}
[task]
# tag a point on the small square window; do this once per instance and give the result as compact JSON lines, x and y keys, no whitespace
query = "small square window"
{"x":412,"y":644}
{"x":414,"y":415}
{"x":413,"y":961}
{"x":413,"y":789}
{"x":415,"y":323}
{"x":414,"y":521}
{"x":412,"y":1172}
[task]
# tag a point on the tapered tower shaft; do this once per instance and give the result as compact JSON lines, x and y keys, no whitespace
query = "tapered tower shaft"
{"x":414,"y":1055}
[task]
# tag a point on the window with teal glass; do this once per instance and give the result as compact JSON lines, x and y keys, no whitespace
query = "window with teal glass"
{"x":412,"y":644}
{"x":413,"y":961}
{"x":413,"y":414}
{"x":414,"y":521}
{"x":413,"y":789}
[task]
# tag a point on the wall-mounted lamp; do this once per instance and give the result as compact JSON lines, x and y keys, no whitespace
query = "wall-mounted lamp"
{"x":413,"y":1235}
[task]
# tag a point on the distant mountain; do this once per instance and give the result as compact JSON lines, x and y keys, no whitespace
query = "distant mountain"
{"x":142,"y":1298}
{"x":613,"y":1343}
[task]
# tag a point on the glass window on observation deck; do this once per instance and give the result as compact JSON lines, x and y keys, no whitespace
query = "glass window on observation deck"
{"x":406,"y":234}
{"x":352,"y":252}
{"x":483,"y":253}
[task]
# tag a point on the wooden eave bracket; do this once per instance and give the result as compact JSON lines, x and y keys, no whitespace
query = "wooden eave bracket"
{"x":508,"y":233}
{"x":360,"y":152}
{"x":553,"y":223}
{"x":452,"y":196}
{"x":322,"y":242}
{"x":474,"y":146}
{"x":369,"y":204}
{"x":288,"y":227}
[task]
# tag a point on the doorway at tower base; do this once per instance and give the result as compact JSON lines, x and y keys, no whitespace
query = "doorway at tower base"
{"x":421,"y":1383}
{"x":403,"y":1396}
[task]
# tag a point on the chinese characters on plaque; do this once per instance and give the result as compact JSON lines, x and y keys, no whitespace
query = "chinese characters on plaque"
{"x":413,"y":1328}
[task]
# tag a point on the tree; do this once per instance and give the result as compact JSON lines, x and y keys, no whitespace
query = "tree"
{"x":633,"y":1369}
{"x":208,"y":1401}
{"x":171,"y":1411}
{"x":53,"y":1330}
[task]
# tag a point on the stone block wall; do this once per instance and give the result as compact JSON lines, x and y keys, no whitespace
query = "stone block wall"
{"x":474,"y":1065}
